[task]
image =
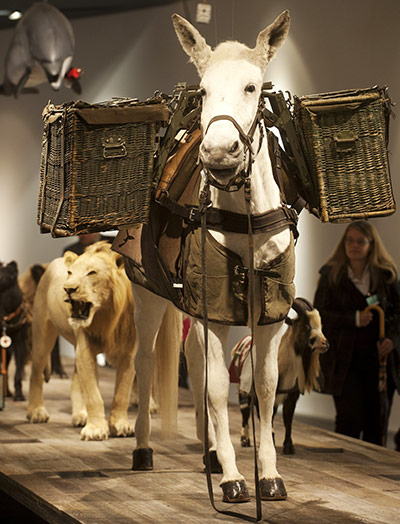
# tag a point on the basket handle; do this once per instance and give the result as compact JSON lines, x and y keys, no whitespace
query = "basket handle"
{"x":114,"y":148}
{"x":344,"y":142}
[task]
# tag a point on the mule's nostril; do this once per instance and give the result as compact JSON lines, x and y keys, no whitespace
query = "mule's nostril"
{"x":235,"y":147}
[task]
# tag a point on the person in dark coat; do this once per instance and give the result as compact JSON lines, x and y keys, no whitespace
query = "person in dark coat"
{"x":360,"y":272}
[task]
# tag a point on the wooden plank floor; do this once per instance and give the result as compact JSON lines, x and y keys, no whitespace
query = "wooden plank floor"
{"x":46,"y":467}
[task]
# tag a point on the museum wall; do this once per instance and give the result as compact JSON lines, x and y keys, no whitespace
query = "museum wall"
{"x":331,"y":46}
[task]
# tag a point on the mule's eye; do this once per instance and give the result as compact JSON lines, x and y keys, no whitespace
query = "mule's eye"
{"x":250,"y":88}
{"x":92,"y":272}
{"x":69,"y":273}
{"x":203,"y":92}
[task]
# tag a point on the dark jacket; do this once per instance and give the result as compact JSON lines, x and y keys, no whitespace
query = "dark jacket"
{"x":337,"y":306}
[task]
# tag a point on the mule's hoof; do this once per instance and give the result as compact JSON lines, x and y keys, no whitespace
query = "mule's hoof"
{"x":272,"y":489}
{"x":235,"y":491}
{"x":214,"y":463}
{"x":142,"y":459}
{"x":245,"y":441}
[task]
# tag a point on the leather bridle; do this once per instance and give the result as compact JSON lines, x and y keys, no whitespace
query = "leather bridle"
{"x":237,"y":181}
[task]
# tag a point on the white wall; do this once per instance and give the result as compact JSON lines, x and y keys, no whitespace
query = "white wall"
{"x":332,"y":46}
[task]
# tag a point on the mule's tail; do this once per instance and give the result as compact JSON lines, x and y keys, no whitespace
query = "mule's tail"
{"x":168,"y":346}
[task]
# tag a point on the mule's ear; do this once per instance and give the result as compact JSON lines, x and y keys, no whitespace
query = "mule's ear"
{"x":192,"y":42}
{"x":69,"y":257}
{"x":271,"y":38}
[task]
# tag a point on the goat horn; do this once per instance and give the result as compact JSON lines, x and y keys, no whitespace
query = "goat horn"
{"x":301,"y":305}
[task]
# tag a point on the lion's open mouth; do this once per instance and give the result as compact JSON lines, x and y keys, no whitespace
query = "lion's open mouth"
{"x":80,"y":309}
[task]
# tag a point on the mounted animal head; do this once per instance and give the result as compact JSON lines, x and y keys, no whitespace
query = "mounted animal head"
{"x":8,"y":275}
{"x":95,"y":287}
{"x":231,"y":83}
{"x":41,"y":50}
{"x":308,"y":342}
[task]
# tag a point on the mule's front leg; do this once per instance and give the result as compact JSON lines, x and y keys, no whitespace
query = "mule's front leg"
{"x":96,"y":427}
{"x":266,"y":379}
{"x":233,"y":484}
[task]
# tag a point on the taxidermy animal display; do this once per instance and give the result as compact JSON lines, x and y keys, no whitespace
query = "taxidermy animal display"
{"x":88,"y":300}
{"x":298,"y":368}
{"x":41,"y":50}
{"x":14,"y":324}
{"x":28,"y":283}
{"x":234,"y":155}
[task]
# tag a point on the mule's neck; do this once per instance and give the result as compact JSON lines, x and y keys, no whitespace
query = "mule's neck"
{"x":265,"y":193}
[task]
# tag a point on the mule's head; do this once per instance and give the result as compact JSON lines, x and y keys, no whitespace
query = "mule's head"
{"x":231,"y":83}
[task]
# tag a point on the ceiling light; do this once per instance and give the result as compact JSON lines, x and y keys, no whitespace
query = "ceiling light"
{"x":15,"y":15}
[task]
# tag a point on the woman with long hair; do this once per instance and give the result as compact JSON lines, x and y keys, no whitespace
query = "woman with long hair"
{"x":360,"y":272}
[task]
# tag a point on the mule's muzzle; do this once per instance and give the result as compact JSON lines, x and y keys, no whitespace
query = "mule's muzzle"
{"x":222,"y":160}
{"x":223,"y":174}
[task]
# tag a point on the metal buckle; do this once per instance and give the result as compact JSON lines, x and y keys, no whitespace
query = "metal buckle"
{"x":192,"y":213}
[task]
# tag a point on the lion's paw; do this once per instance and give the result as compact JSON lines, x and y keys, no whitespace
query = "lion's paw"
{"x":37,"y":415}
{"x":95,"y":432}
{"x":79,"y":419}
{"x":153,"y":406}
{"x":122,"y":428}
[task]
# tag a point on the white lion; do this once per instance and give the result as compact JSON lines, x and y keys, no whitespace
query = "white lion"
{"x":88,"y":300}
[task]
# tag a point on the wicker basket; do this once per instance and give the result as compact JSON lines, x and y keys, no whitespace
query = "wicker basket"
{"x":97,"y":165}
{"x":344,"y":136}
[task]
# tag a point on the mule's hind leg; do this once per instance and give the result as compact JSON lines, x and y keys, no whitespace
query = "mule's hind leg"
{"x":118,"y":422}
{"x":232,"y":483}
{"x":244,"y":404}
{"x":44,"y":335}
{"x":149,"y":312}
{"x":267,"y":339}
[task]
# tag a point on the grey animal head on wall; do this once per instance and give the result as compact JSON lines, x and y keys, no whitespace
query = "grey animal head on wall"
{"x":41,"y":50}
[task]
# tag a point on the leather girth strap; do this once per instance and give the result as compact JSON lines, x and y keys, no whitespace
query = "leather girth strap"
{"x":222,"y":220}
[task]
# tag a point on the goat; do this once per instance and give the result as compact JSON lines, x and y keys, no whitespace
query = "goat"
{"x":298,"y":365}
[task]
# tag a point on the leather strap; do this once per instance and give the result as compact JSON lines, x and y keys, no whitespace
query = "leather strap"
{"x":12,"y":315}
{"x":222,"y":220}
